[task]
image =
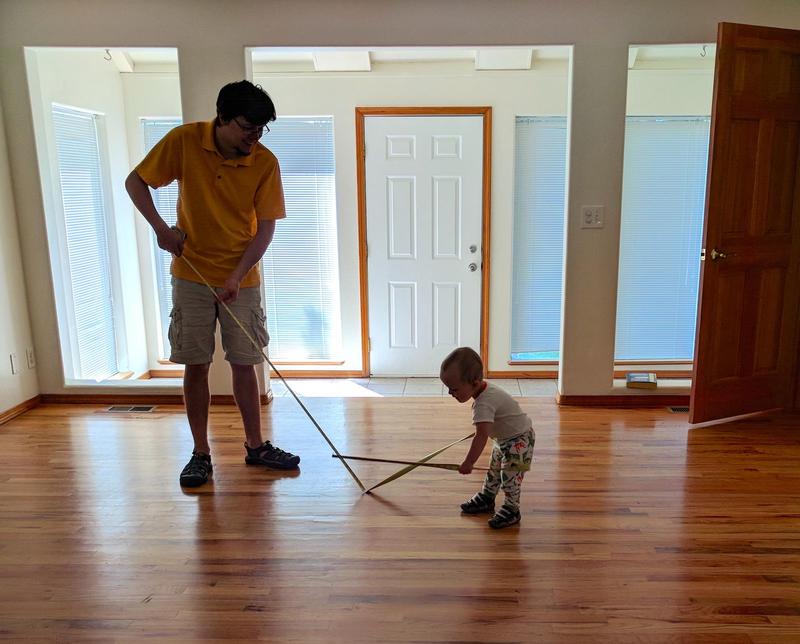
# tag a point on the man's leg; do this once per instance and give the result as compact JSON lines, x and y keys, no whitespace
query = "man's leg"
{"x":245,"y":392}
{"x":191,"y":338}
{"x":242,"y":355}
{"x":197,"y":398}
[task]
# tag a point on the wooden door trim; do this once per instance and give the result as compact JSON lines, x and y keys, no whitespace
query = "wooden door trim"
{"x":486,"y":206}
{"x":623,"y":401}
{"x":128,"y":398}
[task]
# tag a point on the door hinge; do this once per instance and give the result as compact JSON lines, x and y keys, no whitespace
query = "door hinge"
{"x":369,"y":344}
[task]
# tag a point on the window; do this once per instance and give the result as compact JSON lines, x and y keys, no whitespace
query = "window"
{"x":166,"y":201}
{"x":540,"y":162}
{"x":84,"y":235}
{"x":661,"y":232}
{"x":301,"y":271}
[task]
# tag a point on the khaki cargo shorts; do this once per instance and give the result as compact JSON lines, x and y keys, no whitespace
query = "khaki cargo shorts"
{"x":193,"y":323}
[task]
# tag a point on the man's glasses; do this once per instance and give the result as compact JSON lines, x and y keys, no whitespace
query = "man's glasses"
{"x":251,"y":129}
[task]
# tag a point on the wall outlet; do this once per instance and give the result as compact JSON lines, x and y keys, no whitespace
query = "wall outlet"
{"x":31,"y":356}
{"x":14,"y":364}
{"x":592,"y":216}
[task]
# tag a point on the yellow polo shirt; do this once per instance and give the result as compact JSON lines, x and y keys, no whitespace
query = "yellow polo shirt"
{"x":219,"y":200}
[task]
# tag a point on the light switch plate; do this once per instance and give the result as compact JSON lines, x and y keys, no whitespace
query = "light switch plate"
{"x":592,"y":216}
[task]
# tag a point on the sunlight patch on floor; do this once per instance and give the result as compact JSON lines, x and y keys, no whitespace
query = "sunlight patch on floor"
{"x":326,"y":388}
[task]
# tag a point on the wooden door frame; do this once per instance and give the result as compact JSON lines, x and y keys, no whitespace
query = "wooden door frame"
{"x":486,"y":207}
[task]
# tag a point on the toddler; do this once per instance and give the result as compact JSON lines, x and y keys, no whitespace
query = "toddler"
{"x":497,"y":415}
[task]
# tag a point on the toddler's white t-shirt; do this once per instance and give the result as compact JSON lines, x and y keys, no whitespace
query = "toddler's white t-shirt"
{"x":494,"y":405}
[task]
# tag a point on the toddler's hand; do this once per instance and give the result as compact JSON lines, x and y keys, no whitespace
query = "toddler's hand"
{"x":464,"y":468}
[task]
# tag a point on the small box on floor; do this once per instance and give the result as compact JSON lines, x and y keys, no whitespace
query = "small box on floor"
{"x":641,"y":380}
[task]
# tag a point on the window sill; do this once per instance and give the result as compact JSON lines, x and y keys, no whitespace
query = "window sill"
{"x":162,"y":374}
{"x":310,"y":363}
{"x":670,"y":386}
{"x":155,"y":383}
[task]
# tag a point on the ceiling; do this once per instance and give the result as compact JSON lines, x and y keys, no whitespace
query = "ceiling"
{"x":352,"y":59}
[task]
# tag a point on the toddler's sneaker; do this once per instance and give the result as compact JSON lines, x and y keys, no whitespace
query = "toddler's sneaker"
{"x":504,"y":517}
{"x":479,"y":504}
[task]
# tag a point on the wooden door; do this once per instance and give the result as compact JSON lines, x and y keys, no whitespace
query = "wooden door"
{"x":747,"y":331}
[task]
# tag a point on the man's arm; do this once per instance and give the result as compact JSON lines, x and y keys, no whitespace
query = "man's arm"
{"x":476,"y":449}
{"x":168,"y":239}
{"x":254,"y":251}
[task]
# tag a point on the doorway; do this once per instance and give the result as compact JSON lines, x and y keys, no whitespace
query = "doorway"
{"x":424,"y":197}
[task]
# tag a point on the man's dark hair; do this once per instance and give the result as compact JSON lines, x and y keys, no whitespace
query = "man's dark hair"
{"x":242,"y":98}
{"x":468,"y":363}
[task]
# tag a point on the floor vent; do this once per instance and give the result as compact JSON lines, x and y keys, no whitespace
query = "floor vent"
{"x":139,"y":409}
{"x":679,"y":410}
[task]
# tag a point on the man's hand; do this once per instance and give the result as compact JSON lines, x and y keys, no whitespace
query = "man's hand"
{"x":171,"y":241}
{"x":230,"y":291}
{"x":465,"y":468}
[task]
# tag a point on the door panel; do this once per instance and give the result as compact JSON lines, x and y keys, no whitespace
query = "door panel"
{"x":747,"y":330}
{"x":424,"y":200}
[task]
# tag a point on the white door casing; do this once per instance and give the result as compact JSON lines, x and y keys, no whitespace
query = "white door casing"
{"x":424,"y":197}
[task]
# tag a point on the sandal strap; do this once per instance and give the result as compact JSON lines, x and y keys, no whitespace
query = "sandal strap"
{"x":198,"y":464}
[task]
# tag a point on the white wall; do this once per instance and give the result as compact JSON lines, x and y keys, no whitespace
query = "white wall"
{"x":15,"y":328}
{"x":211,"y":45}
{"x":657,"y":92}
{"x":155,"y":95}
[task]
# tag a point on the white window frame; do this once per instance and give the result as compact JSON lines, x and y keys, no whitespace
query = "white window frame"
{"x":336,"y":358}
{"x":655,"y":360}
{"x":62,"y":278}
{"x":545,"y":119}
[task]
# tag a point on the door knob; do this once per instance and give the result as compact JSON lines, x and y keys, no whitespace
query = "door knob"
{"x":473,"y":267}
{"x":717,"y":254}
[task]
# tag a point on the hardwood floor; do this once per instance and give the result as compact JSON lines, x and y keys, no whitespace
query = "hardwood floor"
{"x":635,"y":528}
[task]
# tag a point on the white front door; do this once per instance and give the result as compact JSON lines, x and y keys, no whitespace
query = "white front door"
{"x":424,"y":196}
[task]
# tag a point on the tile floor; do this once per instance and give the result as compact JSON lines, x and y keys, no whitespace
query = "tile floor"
{"x":377,"y":387}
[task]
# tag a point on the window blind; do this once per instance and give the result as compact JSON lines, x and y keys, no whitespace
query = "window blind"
{"x":87,"y":244}
{"x":166,"y":201}
{"x":540,"y":159}
{"x":663,"y":197}
{"x":301,"y":267}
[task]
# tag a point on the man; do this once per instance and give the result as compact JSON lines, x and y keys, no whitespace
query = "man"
{"x":230,"y":196}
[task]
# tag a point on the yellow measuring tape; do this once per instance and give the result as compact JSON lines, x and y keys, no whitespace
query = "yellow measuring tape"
{"x":422,"y":461}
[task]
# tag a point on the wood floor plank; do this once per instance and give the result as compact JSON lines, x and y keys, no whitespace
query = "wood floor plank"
{"x":636,"y":528}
